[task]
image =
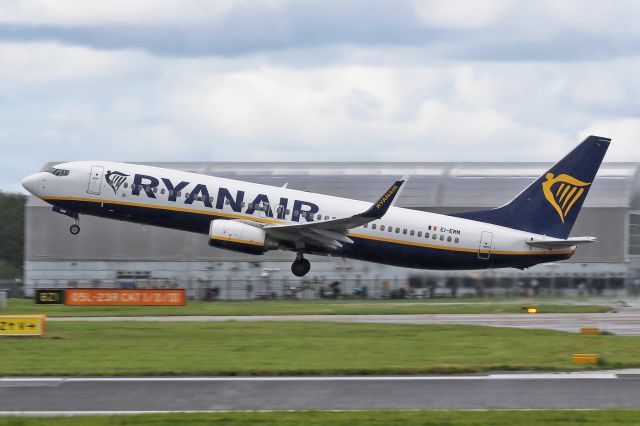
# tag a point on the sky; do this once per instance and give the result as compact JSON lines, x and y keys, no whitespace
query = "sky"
{"x":307,"y":80}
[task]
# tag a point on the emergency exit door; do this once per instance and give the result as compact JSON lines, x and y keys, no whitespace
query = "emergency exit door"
{"x":95,"y":180}
{"x":485,"y":245}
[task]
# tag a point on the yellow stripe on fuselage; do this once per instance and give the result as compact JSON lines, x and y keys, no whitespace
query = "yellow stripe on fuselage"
{"x":273,"y":221}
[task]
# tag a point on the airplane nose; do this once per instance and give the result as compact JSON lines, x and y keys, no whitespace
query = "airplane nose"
{"x":33,"y":183}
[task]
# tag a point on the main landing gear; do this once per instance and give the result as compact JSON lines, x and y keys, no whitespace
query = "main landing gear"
{"x":301,"y":266}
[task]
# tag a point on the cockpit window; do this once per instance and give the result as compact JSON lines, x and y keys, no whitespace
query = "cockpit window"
{"x":58,"y":172}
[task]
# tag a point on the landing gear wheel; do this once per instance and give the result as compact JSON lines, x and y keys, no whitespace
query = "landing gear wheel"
{"x":300,"y":267}
{"x":74,"y":229}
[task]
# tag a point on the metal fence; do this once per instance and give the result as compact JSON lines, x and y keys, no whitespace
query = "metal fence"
{"x":264,"y":288}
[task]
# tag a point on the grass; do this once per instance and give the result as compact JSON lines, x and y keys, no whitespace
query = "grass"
{"x":353,"y":418}
{"x":299,"y":348}
{"x":296,"y":307}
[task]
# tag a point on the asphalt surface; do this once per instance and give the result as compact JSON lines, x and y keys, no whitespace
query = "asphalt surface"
{"x":622,"y":323}
{"x":118,"y":395}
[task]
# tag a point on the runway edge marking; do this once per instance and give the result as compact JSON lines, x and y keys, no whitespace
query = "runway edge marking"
{"x":518,"y":376}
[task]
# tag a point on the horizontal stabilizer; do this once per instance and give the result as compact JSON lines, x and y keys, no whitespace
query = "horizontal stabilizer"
{"x":552,"y":243}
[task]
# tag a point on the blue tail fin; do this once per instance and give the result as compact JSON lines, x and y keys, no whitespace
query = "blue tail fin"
{"x":551,"y":205}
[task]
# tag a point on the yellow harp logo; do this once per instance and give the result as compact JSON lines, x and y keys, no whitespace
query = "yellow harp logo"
{"x":568,"y":190}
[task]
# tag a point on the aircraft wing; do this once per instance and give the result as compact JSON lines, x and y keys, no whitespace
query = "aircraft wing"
{"x":551,"y":243}
{"x":332,"y":233}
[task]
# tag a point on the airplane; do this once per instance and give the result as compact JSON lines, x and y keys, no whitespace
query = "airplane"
{"x":252,"y":218}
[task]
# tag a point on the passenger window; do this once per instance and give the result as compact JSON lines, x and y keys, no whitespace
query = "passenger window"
{"x":366,"y":225}
{"x":435,"y":237}
{"x":382,"y":227}
{"x":412,"y":232}
{"x":211,"y":199}
{"x":457,"y":240}
{"x":397,"y":230}
{"x":126,"y":184}
{"x":448,"y":239}
{"x":419,"y":233}
{"x":319,"y":217}
{"x":426,"y":235}
{"x":373,"y":226}
{"x":186,"y":195}
{"x":441,"y":237}
{"x":288,"y":211}
{"x":179,"y":194}
{"x":171,"y":193}
{"x":199,"y":198}
{"x":227,"y":202}
{"x":390,"y":229}
{"x":162,"y":191}
{"x":155,"y":190}
{"x":326,"y":218}
{"x":404,"y":231}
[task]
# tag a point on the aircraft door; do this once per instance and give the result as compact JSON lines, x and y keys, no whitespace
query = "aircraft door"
{"x":484,"y":251}
{"x":95,"y":180}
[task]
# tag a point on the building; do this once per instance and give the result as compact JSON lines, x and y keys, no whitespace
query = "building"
{"x":117,"y":254}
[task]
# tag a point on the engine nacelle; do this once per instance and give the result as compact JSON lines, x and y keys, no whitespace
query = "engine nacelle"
{"x":238,"y":236}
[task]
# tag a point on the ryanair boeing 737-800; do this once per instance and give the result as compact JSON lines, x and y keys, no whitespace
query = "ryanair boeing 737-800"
{"x":251,"y":218}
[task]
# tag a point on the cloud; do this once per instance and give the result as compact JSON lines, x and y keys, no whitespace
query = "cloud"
{"x":460,"y":13}
{"x":118,"y":12}
{"x":314,"y":81}
{"x":625,"y":133}
{"x":500,"y":30}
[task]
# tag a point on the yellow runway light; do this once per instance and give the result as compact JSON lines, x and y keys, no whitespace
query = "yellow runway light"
{"x":590,"y":331}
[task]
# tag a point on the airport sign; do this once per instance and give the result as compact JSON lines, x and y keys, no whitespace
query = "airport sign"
{"x":125,"y":297}
{"x":22,"y":325}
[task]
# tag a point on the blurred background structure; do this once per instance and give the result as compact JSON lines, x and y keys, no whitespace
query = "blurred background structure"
{"x":117,"y":254}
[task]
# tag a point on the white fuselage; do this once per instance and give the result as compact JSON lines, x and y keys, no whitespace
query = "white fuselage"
{"x":189,"y":201}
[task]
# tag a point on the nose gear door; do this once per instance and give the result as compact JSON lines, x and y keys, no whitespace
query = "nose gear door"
{"x":95,"y":180}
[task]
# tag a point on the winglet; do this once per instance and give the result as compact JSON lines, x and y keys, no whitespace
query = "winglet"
{"x":380,"y":207}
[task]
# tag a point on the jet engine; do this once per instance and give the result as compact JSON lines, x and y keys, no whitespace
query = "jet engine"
{"x":238,"y":236}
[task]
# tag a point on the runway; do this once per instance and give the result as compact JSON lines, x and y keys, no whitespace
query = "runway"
{"x":626,"y":323}
{"x":508,"y":391}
